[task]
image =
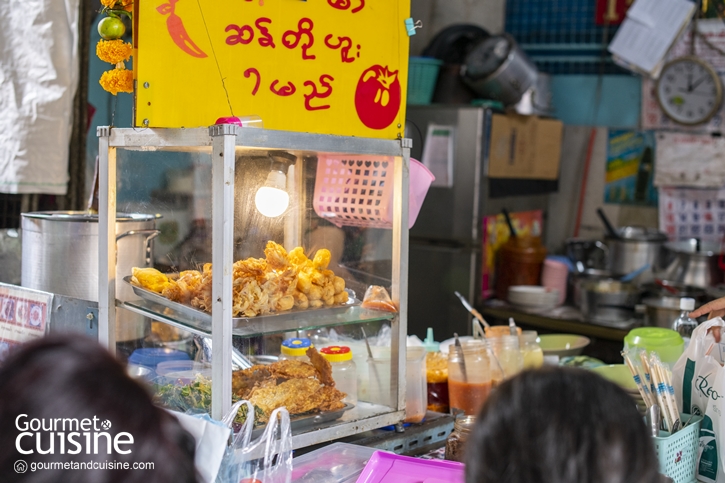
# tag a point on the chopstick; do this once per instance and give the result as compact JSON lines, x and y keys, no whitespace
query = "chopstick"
{"x":643,"y":391}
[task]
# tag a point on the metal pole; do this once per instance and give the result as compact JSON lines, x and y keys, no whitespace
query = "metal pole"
{"x":106,"y":240}
{"x":400,"y":271}
{"x":223,"y":150}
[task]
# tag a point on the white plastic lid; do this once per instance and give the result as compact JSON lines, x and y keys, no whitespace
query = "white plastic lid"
{"x":687,"y":304}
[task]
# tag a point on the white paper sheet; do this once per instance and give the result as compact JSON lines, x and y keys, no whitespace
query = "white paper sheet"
{"x":689,"y":160}
{"x":649,"y":31}
{"x":438,"y":153}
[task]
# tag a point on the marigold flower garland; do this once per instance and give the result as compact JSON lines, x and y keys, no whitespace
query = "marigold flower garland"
{"x":112,"y":49}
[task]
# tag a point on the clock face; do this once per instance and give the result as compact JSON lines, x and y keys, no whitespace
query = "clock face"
{"x":689,"y":91}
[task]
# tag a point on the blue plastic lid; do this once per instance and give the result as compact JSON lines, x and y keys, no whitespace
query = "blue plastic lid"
{"x":152,"y":356}
{"x":296,"y":346}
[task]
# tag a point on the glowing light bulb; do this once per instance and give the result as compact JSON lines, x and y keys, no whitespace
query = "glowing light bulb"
{"x":271,"y":199}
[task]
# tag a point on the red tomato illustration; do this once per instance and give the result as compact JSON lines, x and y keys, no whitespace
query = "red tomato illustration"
{"x":377,"y":97}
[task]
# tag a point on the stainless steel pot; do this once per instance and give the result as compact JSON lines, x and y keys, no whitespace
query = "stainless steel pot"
{"x":579,"y":279}
{"x":662,"y":311}
{"x":693,"y":263}
{"x":60,"y":255}
{"x":635,"y":248}
{"x":609,"y":300}
{"x":496,"y":68}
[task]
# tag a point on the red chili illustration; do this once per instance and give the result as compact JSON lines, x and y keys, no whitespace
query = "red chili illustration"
{"x":178,"y":33}
{"x":240,"y":37}
{"x":265,"y":39}
{"x":377,"y":97}
{"x":283,"y":91}
{"x":325,"y":80}
{"x":248,"y":73}
{"x":344,"y":44}
{"x":304,"y":27}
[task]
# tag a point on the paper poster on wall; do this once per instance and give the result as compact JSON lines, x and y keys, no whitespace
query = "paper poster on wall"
{"x":692,"y":213}
{"x":24,"y":316}
{"x":438,"y":153}
{"x":690,"y":160}
{"x":326,"y":66}
{"x":630,"y":168}
{"x":496,"y":232}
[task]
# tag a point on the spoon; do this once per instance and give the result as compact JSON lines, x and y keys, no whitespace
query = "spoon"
{"x":459,"y":348}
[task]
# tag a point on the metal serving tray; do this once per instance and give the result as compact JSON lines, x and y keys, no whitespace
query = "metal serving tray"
{"x":309,"y":421}
{"x":205,"y":317}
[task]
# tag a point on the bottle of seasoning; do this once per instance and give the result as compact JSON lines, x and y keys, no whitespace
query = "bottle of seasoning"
{"x":436,"y":375}
{"x":469,"y":377}
{"x":518,"y":262}
{"x":533,"y":355}
{"x":456,"y":442}
{"x":344,"y":370}
{"x":295,"y":349}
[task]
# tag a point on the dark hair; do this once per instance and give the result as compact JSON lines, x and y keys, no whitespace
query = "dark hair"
{"x":73,"y":377}
{"x":560,"y":425}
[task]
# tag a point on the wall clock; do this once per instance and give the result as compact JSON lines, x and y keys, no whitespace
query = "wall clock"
{"x":689,"y":90}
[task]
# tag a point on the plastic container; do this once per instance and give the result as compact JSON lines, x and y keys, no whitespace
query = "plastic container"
{"x":555,"y":276}
{"x":470,"y":377}
{"x":358,"y":190}
{"x":436,"y":370}
{"x":456,"y":441}
{"x":344,"y":370}
{"x":183,"y":372}
{"x":374,"y":381}
{"x":416,"y":389}
{"x":508,"y":351}
{"x":151,"y":357}
{"x":678,"y":453}
{"x":422,"y":77}
{"x":531,"y":350}
{"x":667,"y":343}
{"x":392,"y":468}
{"x":338,"y":462}
{"x":295,"y":349}
{"x":518,"y":262}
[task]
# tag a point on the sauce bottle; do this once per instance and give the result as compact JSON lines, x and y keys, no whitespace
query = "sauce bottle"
{"x":295,"y":349}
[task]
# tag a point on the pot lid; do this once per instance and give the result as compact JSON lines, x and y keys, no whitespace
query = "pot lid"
{"x":487,"y":56}
{"x":84,"y":216}
{"x":641,"y":234}
{"x":696,"y":247}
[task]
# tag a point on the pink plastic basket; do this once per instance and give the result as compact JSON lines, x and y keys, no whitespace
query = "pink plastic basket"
{"x":358,"y":190}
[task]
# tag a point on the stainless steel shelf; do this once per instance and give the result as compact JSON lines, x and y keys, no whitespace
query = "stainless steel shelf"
{"x":251,"y":327}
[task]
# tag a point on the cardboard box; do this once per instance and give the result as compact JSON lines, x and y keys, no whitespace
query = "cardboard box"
{"x":525,"y":147}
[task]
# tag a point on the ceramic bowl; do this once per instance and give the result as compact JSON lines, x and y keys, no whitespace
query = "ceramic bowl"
{"x":533,"y":296}
{"x":618,"y":374}
{"x":562,"y":345}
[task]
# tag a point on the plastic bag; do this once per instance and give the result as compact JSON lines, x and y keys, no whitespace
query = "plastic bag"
{"x":377,"y":298}
{"x":699,"y":381}
{"x":267,"y":459}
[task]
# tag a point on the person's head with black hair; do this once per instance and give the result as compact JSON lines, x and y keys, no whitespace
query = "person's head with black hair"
{"x":49,"y":386}
{"x":560,"y":425}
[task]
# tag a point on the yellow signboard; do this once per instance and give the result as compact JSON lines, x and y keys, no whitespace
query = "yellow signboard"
{"x":321,"y":66}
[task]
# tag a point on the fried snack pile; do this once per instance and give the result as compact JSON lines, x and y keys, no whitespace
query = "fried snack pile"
{"x":261,"y":286}
{"x":299,"y":386}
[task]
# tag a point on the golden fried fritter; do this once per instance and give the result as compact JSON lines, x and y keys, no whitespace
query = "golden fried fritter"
{"x":322,"y":367}
{"x":298,"y":396}
{"x":291,"y":369}
{"x":243,"y":382}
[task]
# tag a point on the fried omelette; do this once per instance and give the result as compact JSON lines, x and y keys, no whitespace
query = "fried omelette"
{"x":299,"y":386}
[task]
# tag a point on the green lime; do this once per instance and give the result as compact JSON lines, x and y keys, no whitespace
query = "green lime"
{"x":111,"y":28}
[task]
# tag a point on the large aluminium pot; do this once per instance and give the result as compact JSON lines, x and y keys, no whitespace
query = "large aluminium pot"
{"x":60,"y":255}
{"x":636,"y":247}
{"x":693,"y":262}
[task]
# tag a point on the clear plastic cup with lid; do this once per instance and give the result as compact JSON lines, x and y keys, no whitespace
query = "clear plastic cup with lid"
{"x":344,"y":370}
{"x":295,"y":349}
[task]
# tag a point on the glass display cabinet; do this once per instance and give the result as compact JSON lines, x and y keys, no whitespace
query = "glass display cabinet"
{"x":242,"y":200}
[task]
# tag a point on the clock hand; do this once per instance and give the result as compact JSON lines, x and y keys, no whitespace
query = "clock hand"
{"x":689,"y":81}
{"x":699,"y":93}
{"x":697,"y":83}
